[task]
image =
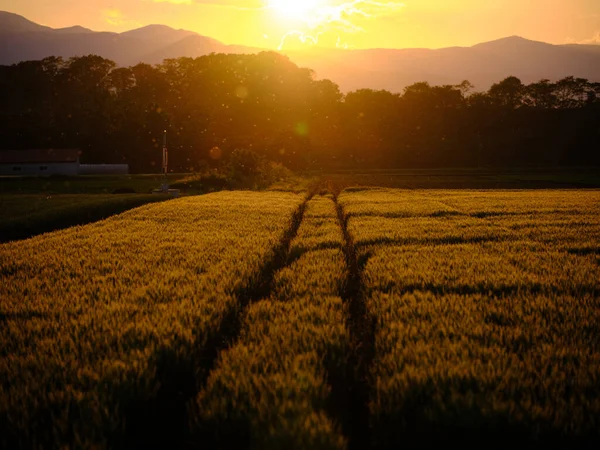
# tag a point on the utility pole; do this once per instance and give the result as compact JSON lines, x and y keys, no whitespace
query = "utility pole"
{"x":164,"y":189}
{"x":165,"y":163}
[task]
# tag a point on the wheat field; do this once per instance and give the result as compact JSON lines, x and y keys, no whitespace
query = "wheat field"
{"x":367,"y":318}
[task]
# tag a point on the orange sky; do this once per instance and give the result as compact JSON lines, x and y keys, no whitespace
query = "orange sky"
{"x":358,"y":23}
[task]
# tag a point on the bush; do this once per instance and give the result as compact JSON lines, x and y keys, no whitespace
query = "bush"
{"x":244,"y":163}
{"x":242,"y":169}
{"x":247,"y":169}
{"x":206,"y":182}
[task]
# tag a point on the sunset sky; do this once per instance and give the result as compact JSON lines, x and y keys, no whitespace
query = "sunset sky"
{"x":356,"y":24}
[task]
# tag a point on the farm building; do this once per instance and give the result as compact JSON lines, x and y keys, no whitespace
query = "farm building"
{"x":39,"y":162}
{"x":45,"y":162}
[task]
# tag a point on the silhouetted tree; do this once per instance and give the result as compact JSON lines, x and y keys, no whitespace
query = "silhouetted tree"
{"x":509,"y":92}
{"x":266,"y":104}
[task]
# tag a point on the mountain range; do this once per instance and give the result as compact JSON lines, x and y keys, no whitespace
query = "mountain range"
{"x":391,"y":69}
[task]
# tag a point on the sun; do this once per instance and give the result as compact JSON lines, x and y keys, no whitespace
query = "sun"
{"x":296,"y":9}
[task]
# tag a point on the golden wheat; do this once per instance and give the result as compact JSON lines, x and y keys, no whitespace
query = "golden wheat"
{"x":89,"y":313}
{"x":483,"y":319}
{"x":273,"y":381}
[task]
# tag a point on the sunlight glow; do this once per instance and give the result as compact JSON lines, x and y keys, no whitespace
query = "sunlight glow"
{"x":311,"y":20}
{"x":303,"y":10}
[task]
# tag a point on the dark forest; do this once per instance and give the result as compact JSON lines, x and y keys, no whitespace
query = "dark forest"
{"x":215,"y":104}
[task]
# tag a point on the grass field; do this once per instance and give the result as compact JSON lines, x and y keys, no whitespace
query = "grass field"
{"x":371,"y":318}
{"x":470,"y":178}
{"x":88,"y":184}
{"x":30,"y":206}
{"x":27,"y":215}
{"x":34,"y":205}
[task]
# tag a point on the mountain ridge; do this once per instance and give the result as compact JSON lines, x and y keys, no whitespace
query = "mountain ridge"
{"x":380,"y":68}
{"x":14,"y":23}
{"x":76,"y":29}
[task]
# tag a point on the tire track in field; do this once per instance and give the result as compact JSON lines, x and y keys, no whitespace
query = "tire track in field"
{"x":361,"y":328}
{"x":259,"y":287}
{"x":182,"y":378}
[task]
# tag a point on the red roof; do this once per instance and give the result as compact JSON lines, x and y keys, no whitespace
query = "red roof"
{"x":46,"y":155}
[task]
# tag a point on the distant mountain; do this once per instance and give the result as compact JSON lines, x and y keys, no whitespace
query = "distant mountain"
{"x":158,"y":34}
{"x":592,"y":48}
{"x":13,"y":23}
{"x":482,"y":64}
{"x":73,"y":30}
{"x":22,"y":40}
{"x":391,"y":69}
{"x":191,"y":46}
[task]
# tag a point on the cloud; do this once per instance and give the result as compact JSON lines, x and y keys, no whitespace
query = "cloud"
{"x":175,"y":2}
{"x":235,"y":4}
{"x":114,"y":17}
{"x":361,"y":7}
{"x":328,"y":17}
{"x":595,"y":39}
{"x":341,"y":17}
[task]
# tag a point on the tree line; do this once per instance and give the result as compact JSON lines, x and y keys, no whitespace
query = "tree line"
{"x":264,"y":103}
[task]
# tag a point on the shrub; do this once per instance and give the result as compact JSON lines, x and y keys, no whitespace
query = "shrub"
{"x":247,"y":169}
